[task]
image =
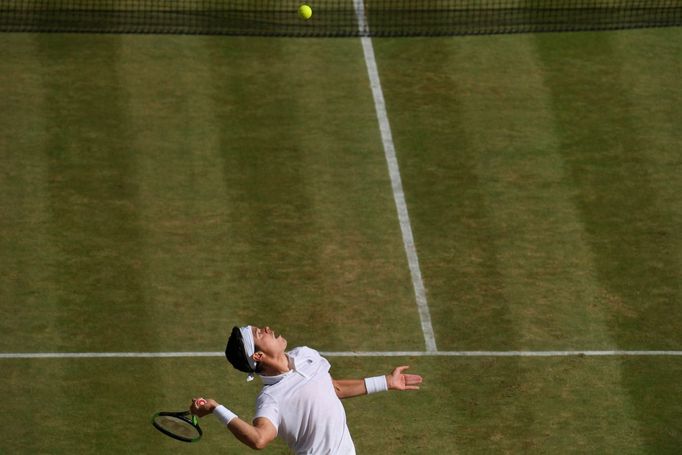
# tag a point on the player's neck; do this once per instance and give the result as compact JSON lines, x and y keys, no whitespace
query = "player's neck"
{"x":277,"y":366}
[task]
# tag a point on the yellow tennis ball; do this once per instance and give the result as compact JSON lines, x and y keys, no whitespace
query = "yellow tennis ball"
{"x":305,"y":11}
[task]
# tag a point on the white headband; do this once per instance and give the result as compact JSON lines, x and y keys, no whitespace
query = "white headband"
{"x":249,"y":347}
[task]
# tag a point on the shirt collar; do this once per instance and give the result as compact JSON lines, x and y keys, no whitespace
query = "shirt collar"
{"x":270,"y":380}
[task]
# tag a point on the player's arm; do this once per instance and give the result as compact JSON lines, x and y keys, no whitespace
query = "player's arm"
{"x":256,"y":436}
{"x":397,"y":380}
{"x":348,"y":388}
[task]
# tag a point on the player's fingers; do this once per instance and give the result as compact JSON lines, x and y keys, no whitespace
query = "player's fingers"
{"x":400,"y":369}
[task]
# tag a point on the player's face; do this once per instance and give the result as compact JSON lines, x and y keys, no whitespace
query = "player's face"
{"x":268,"y":341}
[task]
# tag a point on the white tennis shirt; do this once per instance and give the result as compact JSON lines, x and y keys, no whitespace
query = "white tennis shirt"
{"x":303,"y":406}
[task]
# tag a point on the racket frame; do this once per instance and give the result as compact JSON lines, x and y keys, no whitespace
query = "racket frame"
{"x":183,"y":416}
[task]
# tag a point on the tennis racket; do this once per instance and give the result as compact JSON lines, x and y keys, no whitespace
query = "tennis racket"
{"x":181,"y":425}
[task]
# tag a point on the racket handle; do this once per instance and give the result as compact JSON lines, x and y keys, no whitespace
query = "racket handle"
{"x":200,"y":402}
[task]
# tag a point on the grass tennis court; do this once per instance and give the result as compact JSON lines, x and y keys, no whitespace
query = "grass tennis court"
{"x":157,"y":190}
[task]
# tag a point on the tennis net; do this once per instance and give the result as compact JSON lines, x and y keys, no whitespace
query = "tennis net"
{"x":335,"y":17}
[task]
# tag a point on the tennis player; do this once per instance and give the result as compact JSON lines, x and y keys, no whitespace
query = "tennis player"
{"x":300,"y":401}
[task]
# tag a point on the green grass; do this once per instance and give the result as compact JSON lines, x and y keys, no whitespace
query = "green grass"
{"x":562,"y":405}
{"x":541,"y":185}
{"x":163,"y":198}
{"x":159,"y":189}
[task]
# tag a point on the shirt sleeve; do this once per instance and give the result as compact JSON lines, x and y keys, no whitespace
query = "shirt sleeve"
{"x":267,"y":407}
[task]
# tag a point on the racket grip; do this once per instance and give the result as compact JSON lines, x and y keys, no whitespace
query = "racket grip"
{"x":200,"y":402}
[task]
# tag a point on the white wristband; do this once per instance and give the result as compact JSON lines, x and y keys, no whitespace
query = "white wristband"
{"x":223,"y":414}
{"x":376,"y":384}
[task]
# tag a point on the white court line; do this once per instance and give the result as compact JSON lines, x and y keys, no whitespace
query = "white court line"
{"x":94,"y":355}
{"x":499,"y":353}
{"x":396,"y":182}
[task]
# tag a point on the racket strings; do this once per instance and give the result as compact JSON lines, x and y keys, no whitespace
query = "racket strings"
{"x":177,"y":426}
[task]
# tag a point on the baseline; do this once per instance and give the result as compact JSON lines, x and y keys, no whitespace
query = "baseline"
{"x":90,"y":355}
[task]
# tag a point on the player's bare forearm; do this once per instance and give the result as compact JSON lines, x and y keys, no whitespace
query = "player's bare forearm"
{"x":349,"y":388}
{"x":397,"y":380}
{"x":256,"y":436}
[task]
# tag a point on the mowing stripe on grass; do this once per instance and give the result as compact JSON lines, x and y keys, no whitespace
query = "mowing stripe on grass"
{"x":396,"y":183}
{"x":547,"y":273}
{"x":93,"y":355}
{"x":547,"y":276}
{"x":26,"y":242}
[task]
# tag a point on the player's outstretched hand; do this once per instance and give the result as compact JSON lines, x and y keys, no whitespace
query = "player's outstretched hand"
{"x":399,"y":381}
{"x":202,"y":406}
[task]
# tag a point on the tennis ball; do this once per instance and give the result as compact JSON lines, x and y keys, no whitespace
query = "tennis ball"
{"x":305,"y":11}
